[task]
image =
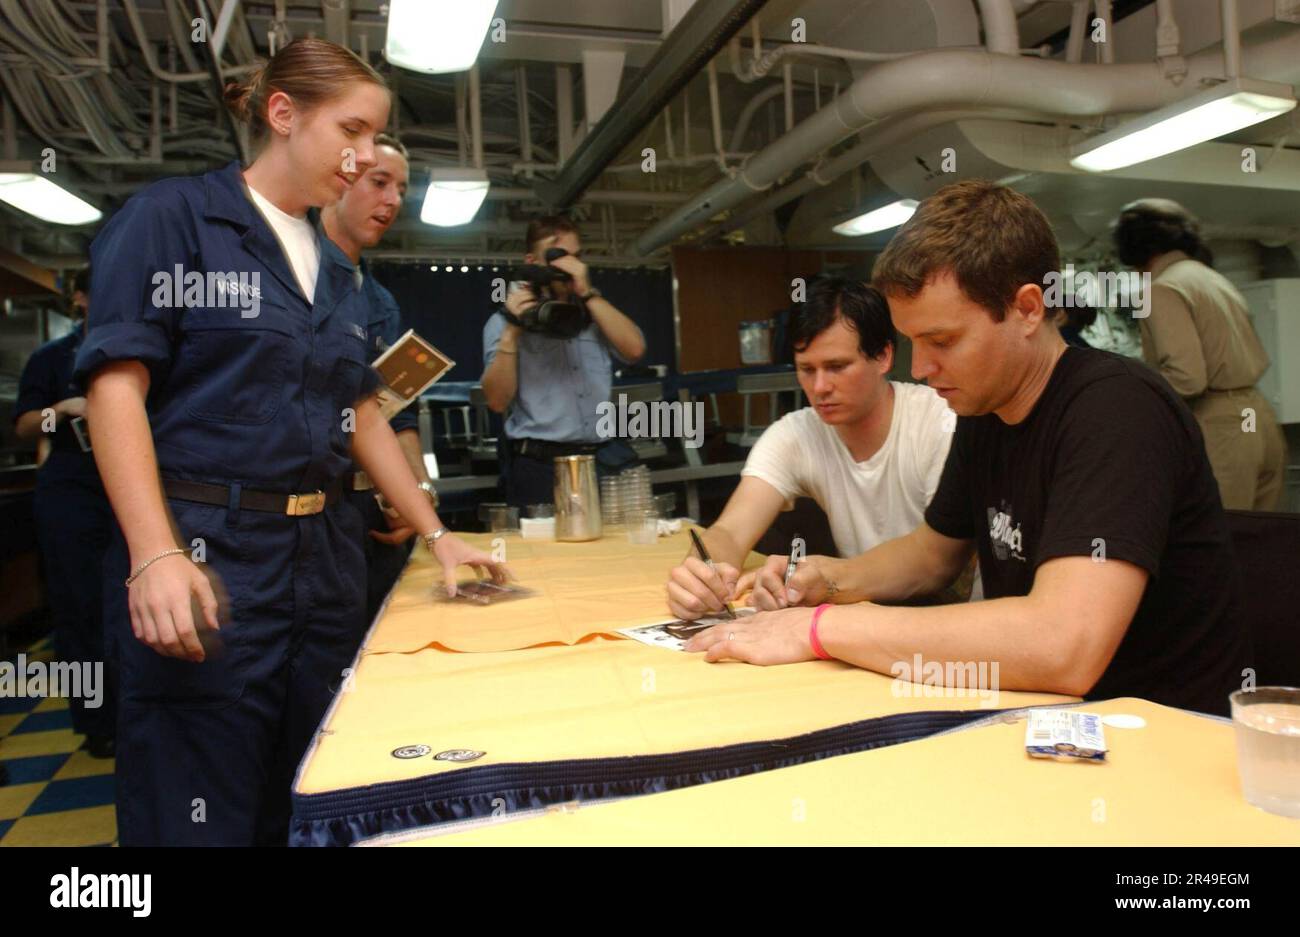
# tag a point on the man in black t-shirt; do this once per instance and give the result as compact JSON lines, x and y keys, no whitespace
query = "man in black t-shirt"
{"x":1079,"y":475}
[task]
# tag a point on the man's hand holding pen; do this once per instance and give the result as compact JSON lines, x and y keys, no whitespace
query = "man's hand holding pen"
{"x":781,"y":632}
{"x":770,"y":588}
{"x":696,"y":589}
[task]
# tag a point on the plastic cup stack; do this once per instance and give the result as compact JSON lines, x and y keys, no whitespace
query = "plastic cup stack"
{"x":638,"y":504}
{"x":611,"y":501}
{"x":637,"y":498}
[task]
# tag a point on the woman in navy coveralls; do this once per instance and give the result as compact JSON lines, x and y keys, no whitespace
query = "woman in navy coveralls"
{"x":221,"y":431}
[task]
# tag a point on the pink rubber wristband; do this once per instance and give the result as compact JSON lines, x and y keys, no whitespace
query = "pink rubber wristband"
{"x":812,"y":634}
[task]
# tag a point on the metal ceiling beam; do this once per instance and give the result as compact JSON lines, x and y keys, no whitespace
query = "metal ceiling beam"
{"x":213,"y":63}
{"x":697,"y":38}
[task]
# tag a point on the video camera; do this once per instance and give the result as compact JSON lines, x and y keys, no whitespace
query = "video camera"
{"x":558,"y":318}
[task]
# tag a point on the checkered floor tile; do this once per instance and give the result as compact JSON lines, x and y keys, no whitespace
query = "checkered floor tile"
{"x":55,"y":794}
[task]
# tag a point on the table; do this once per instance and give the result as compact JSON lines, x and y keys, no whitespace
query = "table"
{"x":1172,"y":782}
{"x":583,"y":715}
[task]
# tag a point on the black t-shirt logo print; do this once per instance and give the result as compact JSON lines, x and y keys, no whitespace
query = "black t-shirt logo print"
{"x":1004,"y":534}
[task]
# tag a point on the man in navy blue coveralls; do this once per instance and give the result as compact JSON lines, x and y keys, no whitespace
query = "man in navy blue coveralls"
{"x":355,"y":223}
{"x":250,"y":402}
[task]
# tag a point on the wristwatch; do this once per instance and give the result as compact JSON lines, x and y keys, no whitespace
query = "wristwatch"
{"x":434,"y":536}
{"x":592,"y":293}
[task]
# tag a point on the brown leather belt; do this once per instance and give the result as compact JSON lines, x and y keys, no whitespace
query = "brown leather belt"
{"x":296,"y":505}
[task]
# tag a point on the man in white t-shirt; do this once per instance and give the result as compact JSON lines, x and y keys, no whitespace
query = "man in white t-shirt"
{"x":868,"y":450}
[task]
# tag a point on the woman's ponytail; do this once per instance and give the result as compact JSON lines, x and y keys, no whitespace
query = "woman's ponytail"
{"x":310,"y":71}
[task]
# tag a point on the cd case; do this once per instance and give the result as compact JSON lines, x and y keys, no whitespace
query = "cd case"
{"x":407,"y":369}
{"x":674,"y":633}
{"x":483,"y":592}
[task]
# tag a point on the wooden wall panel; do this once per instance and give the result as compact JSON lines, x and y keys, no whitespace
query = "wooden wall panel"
{"x":718,"y":288}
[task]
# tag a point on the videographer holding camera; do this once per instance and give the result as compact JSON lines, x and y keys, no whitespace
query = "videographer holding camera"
{"x":547,"y":362}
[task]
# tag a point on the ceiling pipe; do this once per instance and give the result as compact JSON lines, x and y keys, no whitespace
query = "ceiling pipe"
{"x":336,"y":16}
{"x":715,"y":116}
{"x":1105,"y":13}
{"x":227,"y":16}
{"x":1078,"y":31}
{"x":683,"y":162}
{"x":151,"y":62}
{"x":1167,"y":37}
{"x":696,"y":38}
{"x":888,"y":132}
{"x":749,"y":110}
{"x":458,"y":84}
{"x":958,"y":80}
{"x":1001,"y":31}
{"x":760,"y":69}
{"x":1231,"y":39}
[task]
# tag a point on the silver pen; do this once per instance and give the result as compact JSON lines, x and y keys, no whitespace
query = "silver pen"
{"x":797,"y":550}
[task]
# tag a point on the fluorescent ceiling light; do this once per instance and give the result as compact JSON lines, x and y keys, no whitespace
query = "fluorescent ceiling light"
{"x":454,"y":196}
{"x":436,"y":35}
{"x":35,"y":194}
{"x":1215,"y":112}
{"x":879,"y":219}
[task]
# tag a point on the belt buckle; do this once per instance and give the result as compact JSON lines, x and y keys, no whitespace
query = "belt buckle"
{"x":313,"y":502}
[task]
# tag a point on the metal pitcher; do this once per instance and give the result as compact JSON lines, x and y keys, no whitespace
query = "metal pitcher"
{"x":577,"y":498}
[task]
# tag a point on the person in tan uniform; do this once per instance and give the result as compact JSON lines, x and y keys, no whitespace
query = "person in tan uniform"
{"x":1198,"y":336}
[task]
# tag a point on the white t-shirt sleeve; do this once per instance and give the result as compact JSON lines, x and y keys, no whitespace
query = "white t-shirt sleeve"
{"x":932,"y":432}
{"x":779,"y":458}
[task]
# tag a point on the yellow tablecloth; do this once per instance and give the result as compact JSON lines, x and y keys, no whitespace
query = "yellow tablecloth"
{"x":1173,"y":782}
{"x":601,"y":698}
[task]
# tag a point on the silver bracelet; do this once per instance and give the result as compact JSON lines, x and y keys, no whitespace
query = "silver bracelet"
{"x":149,"y":562}
{"x":434,"y":536}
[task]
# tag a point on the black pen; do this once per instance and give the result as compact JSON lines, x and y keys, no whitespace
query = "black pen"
{"x":704,"y":555}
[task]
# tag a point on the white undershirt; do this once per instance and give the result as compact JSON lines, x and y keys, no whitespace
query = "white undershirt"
{"x":867,"y":502}
{"x":297,"y":238}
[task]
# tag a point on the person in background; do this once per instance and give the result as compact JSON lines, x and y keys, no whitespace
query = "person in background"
{"x":1197,"y":334}
{"x":355,"y":223}
{"x":548,"y":387}
{"x":1079,"y":476}
{"x":868,"y":450}
{"x":74,"y":522}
